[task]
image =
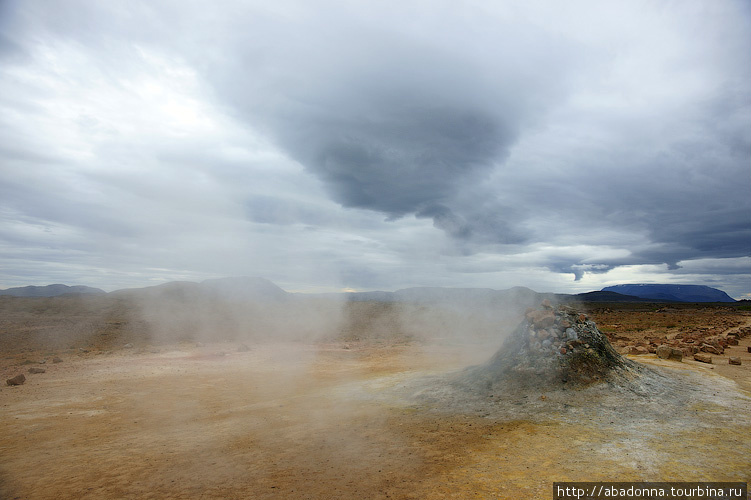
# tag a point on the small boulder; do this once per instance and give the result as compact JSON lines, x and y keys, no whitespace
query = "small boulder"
{"x":667,"y":352}
{"x":57,"y":360}
{"x":712,"y":349}
{"x":676,"y":354}
{"x":17,"y":380}
{"x":34,"y":369}
{"x":663,"y":351}
{"x":734,"y":360}
{"x":704,"y":358}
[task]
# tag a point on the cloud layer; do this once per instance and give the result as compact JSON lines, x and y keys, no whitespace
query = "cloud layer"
{"x":342,"y":145}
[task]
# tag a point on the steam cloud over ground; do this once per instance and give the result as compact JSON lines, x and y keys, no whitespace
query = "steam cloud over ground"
{"x":234,"y":388}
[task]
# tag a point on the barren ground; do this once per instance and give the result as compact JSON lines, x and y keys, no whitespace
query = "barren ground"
{"x":339,"y":420}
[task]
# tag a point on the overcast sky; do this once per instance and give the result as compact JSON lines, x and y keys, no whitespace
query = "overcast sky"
{"x":563,"y":146}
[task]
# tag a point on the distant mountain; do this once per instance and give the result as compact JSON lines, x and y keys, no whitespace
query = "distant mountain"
{"x":244,"y":288}
{"x":601,"y":297}
{"x":677,"y":293}
{"x":254,"y":289}
{"x":376,"y":296}
{"x":236,"y":289}
{"x":49,"y":290}
{"x":455,"y":296}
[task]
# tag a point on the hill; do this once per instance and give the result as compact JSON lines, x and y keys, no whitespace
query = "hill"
{"x":676,"y":293}
{"x":49,"y":290}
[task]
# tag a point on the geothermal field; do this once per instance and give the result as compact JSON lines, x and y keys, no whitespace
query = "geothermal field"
{"x":187,"y":392}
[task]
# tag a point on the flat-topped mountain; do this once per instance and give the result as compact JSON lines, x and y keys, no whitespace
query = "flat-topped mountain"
{"x":677,"y":293}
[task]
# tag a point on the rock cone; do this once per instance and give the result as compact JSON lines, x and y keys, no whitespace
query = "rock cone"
{"x":554,"y":347}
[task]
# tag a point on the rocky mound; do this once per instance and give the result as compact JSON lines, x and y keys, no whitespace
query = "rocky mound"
{"x":554,"y":347}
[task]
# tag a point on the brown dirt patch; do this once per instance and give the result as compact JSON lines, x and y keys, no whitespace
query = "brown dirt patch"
{"x":334,"y":420}
{"x":296,"y":421}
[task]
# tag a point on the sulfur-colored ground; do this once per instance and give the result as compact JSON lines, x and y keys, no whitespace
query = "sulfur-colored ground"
{"x":336,"y":419}
{"x":322,"y":421}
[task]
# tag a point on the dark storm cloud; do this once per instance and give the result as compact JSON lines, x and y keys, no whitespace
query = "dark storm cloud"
{"x":390,"y":121}
{"x":399,"y":160}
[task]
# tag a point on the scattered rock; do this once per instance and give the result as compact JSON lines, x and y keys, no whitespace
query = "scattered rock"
{"x":667,"y":352}
{"x":541,"y":319}
{"x":17,"y":380}
{"x":704,"y":358}
{"x":712,"y":349}
{"x":676,"y":354}
{"x":734,"y":360}
{"x":128,"y":345}
{"x":690,"y":350}
{"x":57,"y":360}
{"x":632,"y":349}
{"x":36,"y":370}
{"x":243,"y":348}
{"x":748,"y":348}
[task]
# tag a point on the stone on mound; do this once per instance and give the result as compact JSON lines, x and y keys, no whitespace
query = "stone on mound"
{"x":554,"y":347}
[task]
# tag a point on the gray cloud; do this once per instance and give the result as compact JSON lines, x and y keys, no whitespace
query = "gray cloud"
{"x":390,"y":121}
{"x":579,"y":139}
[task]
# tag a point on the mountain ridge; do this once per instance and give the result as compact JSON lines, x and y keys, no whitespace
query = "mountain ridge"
{"x":257,"y":288}
{"x":670,"y":292}
{"x":53,"y":290}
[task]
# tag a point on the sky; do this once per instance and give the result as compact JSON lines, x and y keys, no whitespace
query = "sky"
{"x":332,"y":146}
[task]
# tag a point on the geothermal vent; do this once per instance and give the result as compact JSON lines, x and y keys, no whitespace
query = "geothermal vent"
{"x":554,"y":347}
